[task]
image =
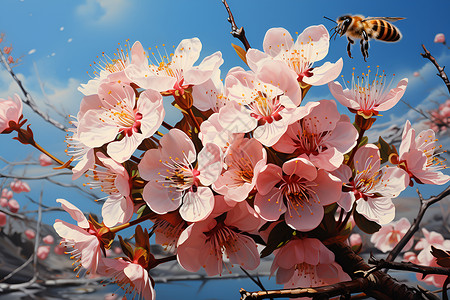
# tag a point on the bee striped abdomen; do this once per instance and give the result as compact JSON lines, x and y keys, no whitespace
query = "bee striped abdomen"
{"x":385,"y":31}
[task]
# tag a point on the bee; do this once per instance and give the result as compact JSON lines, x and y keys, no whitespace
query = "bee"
{"x":359,"y":27}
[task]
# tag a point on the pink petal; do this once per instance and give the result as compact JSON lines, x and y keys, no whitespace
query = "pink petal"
{"x":269,"y":176}
{"x":325,"y":73}
{"x":277,"y":40}
{"x":393,"y":96}
{"x":270,"y":206}
{"x":74,"y":212}
{"x":198,"y":205}
{"x":161,"y":199}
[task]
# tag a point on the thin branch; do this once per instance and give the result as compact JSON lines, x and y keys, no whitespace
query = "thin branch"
{"x":408,"y":266}
{"x":440,"y":69}
{"x":18,"y":269}
{"x":45,"y":176}
{"x":86,"y":192}
{"x":424,"y":204}
{"x":14,"y":215}
{"x":238,"y":33}
{"x":342,"y":288}
{"x":28,"y":98}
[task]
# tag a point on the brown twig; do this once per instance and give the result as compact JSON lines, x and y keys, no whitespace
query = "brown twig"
{"x":238,"y":33}
{"x":408,"y":266}
{"x":28,"y":98}
{"x":440,"y":69}
{"x":424,"y":204}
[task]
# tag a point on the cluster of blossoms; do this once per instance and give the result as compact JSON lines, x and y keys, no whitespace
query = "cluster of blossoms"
{"x":440,"y":118}
{"x":248,"y":162}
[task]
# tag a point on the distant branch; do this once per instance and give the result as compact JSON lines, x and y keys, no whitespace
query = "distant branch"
{"x":424,"y":204}
{"x":440,"y":69}
{"x":408,"y":266}
{"x":28,"y":100}
{"x":238,"y":33}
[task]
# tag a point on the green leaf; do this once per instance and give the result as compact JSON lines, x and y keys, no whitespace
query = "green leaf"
{"x":364,"y":224}
{"x":279,"y":236}
{"x":364,"y":141}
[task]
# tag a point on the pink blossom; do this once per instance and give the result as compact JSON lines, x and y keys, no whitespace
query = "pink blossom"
{"x":10,"y":59}
{"x":168,"y":228}
{"x":210,"y":94}
{"x":439,"y":38}
{"x":115,"y":112}
{"x":117,"y":250}
{"x":366,"y":97}
{"x":48,"y":239}
{"x":19,"y":186}
{"x":42,"y":252}
{"x":416,"y":74}
{"x":130,"y":276}
{"x":418,"y":156}
{"x":311,"y":46}
{"x":3,"y":219}
{"x":7,"y":194}
{"x":176,"y":73}
{"x":10,"y":110}
{"x":30,"y":234}
{"x":44,"y":160}
{"x":7,"y":50}
{"x":3,"y":202}
{"x":59,"y":250}
{"x":426,"y":258}
{"x":390,"y":234}
{"x":298,"y":190}
{"x":81,"y":154}
{"x":355,"y":239}
{"x":323,"y":135}
{"x":305,"y":263}
{"x":261,"y":106}
{"x":372,"y":187}
{"x":244,"y":160}
{"x":174,"y":182}
{"x":113,"y":70}
{"x":13,"y":206}
{"x":113,"y":179}
{"x":81,"y":237}
{"x":204,"y":244}
{"x":212,"y":132}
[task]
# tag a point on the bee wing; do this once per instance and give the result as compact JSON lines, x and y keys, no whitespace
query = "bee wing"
{"x":389,"y":19}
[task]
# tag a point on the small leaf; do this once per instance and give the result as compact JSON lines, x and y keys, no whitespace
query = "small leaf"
{"x":126,"y":248}
{"x":385,"y":150}
{"x":364,"y":224}
{"x":442,"y":257}
{"x":364,"y":141}
{"x":279,"y":236}
{"x":240,"y":52}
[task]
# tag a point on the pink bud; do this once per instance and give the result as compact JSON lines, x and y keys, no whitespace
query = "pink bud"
{"x":44,"y":160}
{"x":59,"y":250}
{"x":7,"y":50}
{"x":3,"y":202}
{"x":117,"y":250}
{"x":13,"y":205}
{"x":48,"y":239}
{"x":42,"y":252}
{"x":10,"y":110}
{"x":30,"y":234}
{"x":7,"y":193}
{"x":10,"y":59}
{"x":416,"y":74}
{"x":19,"y":186}
{"x":2,"y":219}
{"x":355,"y":239}
{"x":439,"y":38}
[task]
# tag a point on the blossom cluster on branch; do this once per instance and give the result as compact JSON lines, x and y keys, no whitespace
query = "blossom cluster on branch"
{"x":250,"y":162}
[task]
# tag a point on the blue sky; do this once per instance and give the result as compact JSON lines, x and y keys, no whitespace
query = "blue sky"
{"x":66,"y":36}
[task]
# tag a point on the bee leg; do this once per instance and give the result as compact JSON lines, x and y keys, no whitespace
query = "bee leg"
{"x":349,"y":45}
{"x":365,"y":45}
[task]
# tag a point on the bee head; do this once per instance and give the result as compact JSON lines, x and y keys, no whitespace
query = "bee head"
{"x":343,"y":24}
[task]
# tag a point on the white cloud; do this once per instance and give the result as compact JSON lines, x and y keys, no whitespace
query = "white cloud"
{"x":102,"y":11}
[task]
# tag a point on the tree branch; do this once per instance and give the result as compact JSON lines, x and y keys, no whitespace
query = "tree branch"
{"x":28,"y":98}
{"x":238,"y":33}
{"x":424,"y":204}
{"x":408,"y":266}
{"x":440,"y":69}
